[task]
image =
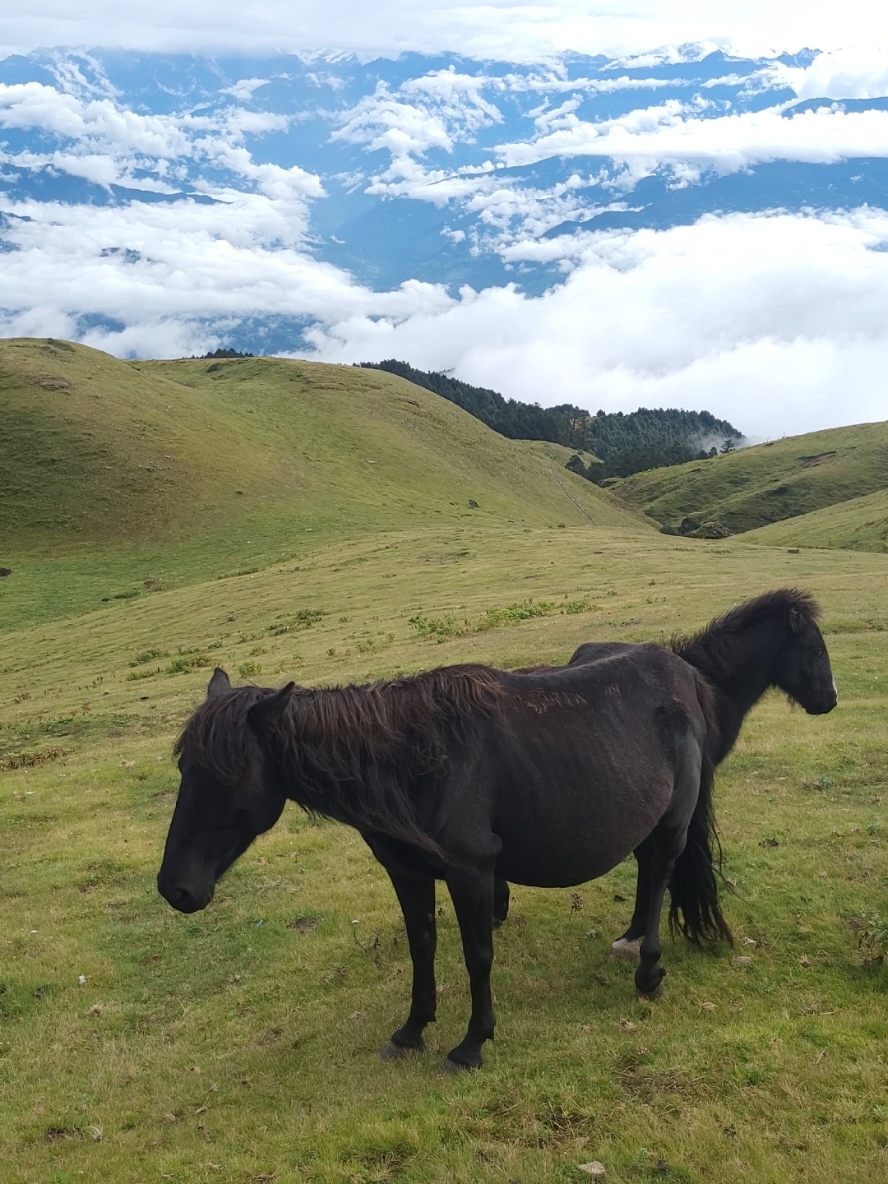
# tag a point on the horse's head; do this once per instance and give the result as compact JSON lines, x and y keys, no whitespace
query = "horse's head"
{"x":803,"y":670}
{"x":226,"y":795}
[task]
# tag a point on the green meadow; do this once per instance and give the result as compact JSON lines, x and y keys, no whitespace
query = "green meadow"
{"x":241,"y":1044}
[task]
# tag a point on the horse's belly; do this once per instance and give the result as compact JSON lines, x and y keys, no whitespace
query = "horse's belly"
{"x":571,"y":846}
{"x":557,"y":873}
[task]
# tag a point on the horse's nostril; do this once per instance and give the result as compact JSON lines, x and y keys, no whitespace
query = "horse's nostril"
{"x":178,"y":896}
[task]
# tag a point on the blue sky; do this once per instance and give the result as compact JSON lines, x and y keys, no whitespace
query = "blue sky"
{"x":679,"y":205}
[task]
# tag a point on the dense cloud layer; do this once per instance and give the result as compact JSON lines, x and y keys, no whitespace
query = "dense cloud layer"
{"x":495,"y":29}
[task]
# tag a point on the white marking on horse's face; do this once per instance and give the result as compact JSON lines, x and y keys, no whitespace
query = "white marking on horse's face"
{"x":835,"y":690}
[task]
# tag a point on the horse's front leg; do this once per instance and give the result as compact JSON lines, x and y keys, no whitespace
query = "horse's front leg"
{"x":472,"y":895}
{"x":417,"y":899}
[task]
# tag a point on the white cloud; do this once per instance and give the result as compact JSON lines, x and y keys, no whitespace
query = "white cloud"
{"x":107,"y":143}
{"x":672,"y":133}
{"x":688,"y":138}
{"x":243,"y":90}
{"x":485,"y":29}
{"x":432,"y":111}
{"x":856,"y":73}
{"x":31,"y":105}
{"x":186,"y":262}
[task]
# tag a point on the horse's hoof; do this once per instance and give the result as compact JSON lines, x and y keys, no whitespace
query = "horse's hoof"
{"x":625,"y":950}
{"x":656,"y":993}
{"x":394,"y":1052}
{"x":458,"y":1066}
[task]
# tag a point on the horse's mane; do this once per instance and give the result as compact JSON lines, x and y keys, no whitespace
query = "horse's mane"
{"x":715,"y":648}
{"x":353,"y":752}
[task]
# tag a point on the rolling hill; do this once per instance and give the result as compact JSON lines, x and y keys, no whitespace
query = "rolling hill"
{"x":135,"y":476}
{"x":767,"y":483}
{"x":860,"y":524}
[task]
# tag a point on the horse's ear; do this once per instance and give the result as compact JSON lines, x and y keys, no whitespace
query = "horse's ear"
{"x":796,"y":621}
{"x":265,"y":714}
{"x":219,"y":683}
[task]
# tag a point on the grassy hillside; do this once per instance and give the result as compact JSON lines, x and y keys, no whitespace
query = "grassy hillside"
{"x":242,"y":1043}
{"x":120,"y":478}
{"x":860,"y":524}
{"x":767,"y":483}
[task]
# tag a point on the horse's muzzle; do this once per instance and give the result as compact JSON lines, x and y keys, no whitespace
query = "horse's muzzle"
{"x":824,"y":706}
{"x":183,"y":899}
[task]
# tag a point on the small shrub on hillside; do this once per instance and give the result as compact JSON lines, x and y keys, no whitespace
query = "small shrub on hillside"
{"x":136,"y":675}
{"x":522,"y":611}
{"x":439,"y":627}
{"x":249,"y":669}
{"x":303,"y":619}
{"x":285,"y":666}
{"x":571,"y":607}
{"x":874,"y":940}
{"x":30,"y":760}
{"x":147,"y":656}
{"x":447,"y":625}
{"x":185,"y":663}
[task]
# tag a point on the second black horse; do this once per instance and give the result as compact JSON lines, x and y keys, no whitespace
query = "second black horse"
{"x":771,"y":641}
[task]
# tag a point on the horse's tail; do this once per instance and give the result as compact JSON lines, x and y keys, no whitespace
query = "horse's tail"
{"x":694,"y":909}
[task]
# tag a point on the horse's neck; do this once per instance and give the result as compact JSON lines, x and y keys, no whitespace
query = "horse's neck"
{"x":730,"y":715}
{"x":740,"y":684}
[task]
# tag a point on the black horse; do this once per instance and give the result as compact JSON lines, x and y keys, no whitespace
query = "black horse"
{"x":461,"y":774}
{"x":772,"y":641}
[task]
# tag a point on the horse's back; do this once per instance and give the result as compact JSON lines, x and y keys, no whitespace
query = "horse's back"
{"x":595,"y":651}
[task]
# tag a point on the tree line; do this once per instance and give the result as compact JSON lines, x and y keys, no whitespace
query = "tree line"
{"x":623,"y":443}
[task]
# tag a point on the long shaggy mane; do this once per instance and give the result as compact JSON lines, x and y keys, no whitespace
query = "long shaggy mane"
{"x":714,"y":648}
{"x":355,"y":753}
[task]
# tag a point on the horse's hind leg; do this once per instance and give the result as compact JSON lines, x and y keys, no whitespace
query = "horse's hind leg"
{"x":500,"y":901}
{"x":628,"y":945}
{"x":417,"y":899}
{"x":472,"y":895}
{"x":666,"y":845}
